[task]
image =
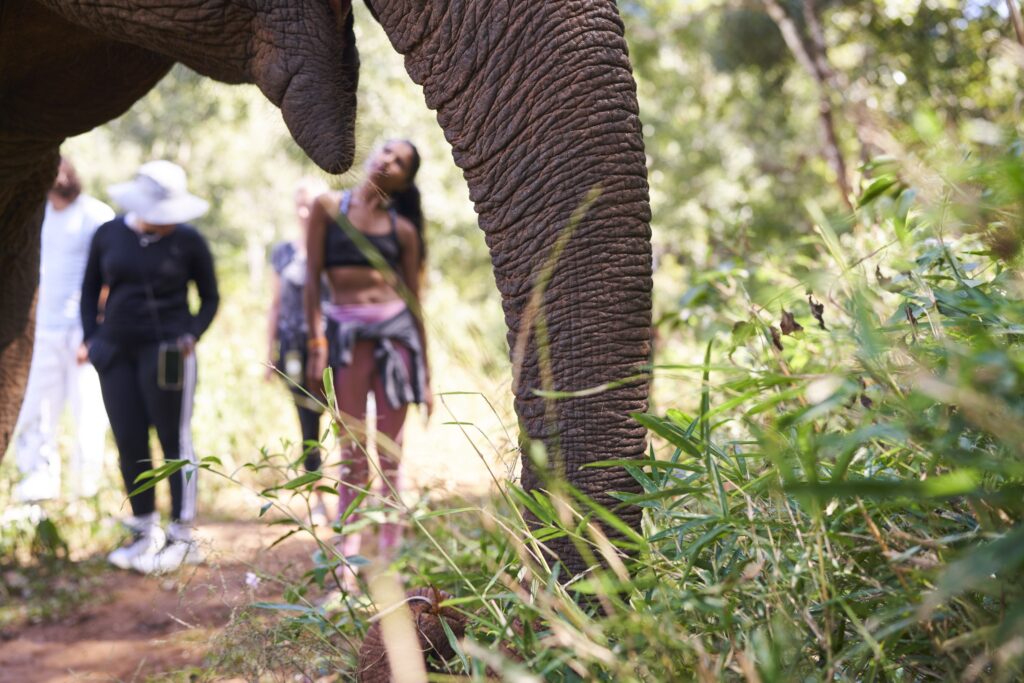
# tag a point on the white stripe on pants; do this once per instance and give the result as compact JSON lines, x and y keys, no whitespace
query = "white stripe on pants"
{"x":190,"y":485}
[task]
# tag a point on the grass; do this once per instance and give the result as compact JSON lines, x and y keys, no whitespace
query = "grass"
{"x":40,"y":581}
{"x":842,"y":502}
{"x":833,"y":489}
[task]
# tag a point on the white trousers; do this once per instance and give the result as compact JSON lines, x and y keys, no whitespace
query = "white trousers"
{"x":56,"y":380}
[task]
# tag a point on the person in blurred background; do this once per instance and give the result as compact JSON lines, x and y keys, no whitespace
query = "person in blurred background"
{"x":287,"y":332}
{"x":143,"y":347}
{"x":369,"y":241}
{"x":60,"y":374}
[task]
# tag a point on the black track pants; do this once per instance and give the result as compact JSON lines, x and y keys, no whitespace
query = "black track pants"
{"x":309,"y":410}
{"x":309,"y":422}
{"x":134,"y":403}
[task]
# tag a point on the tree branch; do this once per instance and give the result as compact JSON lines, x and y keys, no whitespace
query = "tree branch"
{"x":1016,"y":20}
{"x":816,"y":65}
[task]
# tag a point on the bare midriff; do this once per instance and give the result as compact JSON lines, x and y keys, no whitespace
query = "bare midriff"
{"x":359,"y":285}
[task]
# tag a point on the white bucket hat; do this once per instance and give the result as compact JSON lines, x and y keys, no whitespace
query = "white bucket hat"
{"x":158,"y":195}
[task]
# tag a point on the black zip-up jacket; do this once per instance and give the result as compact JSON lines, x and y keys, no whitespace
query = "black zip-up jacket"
{"x":148,"y":281}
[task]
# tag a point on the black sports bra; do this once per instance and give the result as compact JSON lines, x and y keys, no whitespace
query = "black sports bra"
{"x":341,"y":250}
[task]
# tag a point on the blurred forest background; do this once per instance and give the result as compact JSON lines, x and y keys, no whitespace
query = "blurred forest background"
{"x":837,"y":189}
{"x":732,"y":119}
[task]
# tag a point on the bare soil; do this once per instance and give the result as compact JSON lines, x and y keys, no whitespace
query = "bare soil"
{"x":134,"y":628}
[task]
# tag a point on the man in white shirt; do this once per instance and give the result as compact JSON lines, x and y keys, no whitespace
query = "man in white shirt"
{"x":60,"y":373}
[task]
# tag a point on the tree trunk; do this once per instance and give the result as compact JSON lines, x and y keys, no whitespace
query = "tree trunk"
{"x":37,"y":113}
{"x":1016,"y":20}
{"x":815,"y":61}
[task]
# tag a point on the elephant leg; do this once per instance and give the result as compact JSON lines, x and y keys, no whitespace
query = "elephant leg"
{"x":22,"y":199}
{"x":45,"y":101}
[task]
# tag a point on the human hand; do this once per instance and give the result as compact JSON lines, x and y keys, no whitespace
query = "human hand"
{"x":428,"y":402}
{"x":82,"y":355}
{"x":187,"y":344}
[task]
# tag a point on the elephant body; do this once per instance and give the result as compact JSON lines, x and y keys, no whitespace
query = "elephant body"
{"x":536,"y":98}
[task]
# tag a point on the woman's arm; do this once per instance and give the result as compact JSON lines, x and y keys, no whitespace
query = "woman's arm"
{"x":92,"y":286}
{"x":203,"y":274}
{"x":316,"y":359}
{"x":412,"y":274}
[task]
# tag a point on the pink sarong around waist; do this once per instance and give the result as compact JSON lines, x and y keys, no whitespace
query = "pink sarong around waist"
{"x":364,"y":313}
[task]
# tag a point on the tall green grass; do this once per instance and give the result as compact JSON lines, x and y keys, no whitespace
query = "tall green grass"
{"x":840,"y":499}
{"x":833,"y":489}
{"x":844,"y":500}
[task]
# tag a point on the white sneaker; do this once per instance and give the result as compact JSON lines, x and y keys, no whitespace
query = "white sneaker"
{"x":172,"y":556}
{"x":147,"y":540}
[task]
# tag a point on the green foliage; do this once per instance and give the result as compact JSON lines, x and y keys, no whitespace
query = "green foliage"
{"x":871,"y":515}
{"x":834,"y":485}
{"x":734,"y":155}
{"x":843,"y":501}
{"x":748,"y":38}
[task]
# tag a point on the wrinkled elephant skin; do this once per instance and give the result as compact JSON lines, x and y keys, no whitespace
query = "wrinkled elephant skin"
{"x":537,"y":100}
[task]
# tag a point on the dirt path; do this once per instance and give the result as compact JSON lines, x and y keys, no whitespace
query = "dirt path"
{"x":135,"y":627}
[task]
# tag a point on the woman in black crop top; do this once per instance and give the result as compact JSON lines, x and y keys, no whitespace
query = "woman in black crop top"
{"x":369,"y":242}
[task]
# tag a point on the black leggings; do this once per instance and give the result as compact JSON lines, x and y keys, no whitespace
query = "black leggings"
{"x":134,"y":402}
{"x":308,"y":409}
{"x":309,"y":423}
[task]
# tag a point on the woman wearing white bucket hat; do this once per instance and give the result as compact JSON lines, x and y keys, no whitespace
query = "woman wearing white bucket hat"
{"x":143,"y":348}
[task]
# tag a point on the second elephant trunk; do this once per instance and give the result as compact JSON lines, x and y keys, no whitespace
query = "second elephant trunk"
{"x":539,"y":104}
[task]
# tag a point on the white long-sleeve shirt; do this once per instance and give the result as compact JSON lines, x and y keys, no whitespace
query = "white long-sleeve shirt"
{"x":66,"y":237}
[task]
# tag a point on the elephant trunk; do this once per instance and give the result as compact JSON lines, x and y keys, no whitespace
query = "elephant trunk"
{"x":539,"y":104}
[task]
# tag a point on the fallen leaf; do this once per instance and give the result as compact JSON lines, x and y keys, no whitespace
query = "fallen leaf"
{"x":817,"y":310}
{"x":789,"y":325}
{"x":776,"y":338}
